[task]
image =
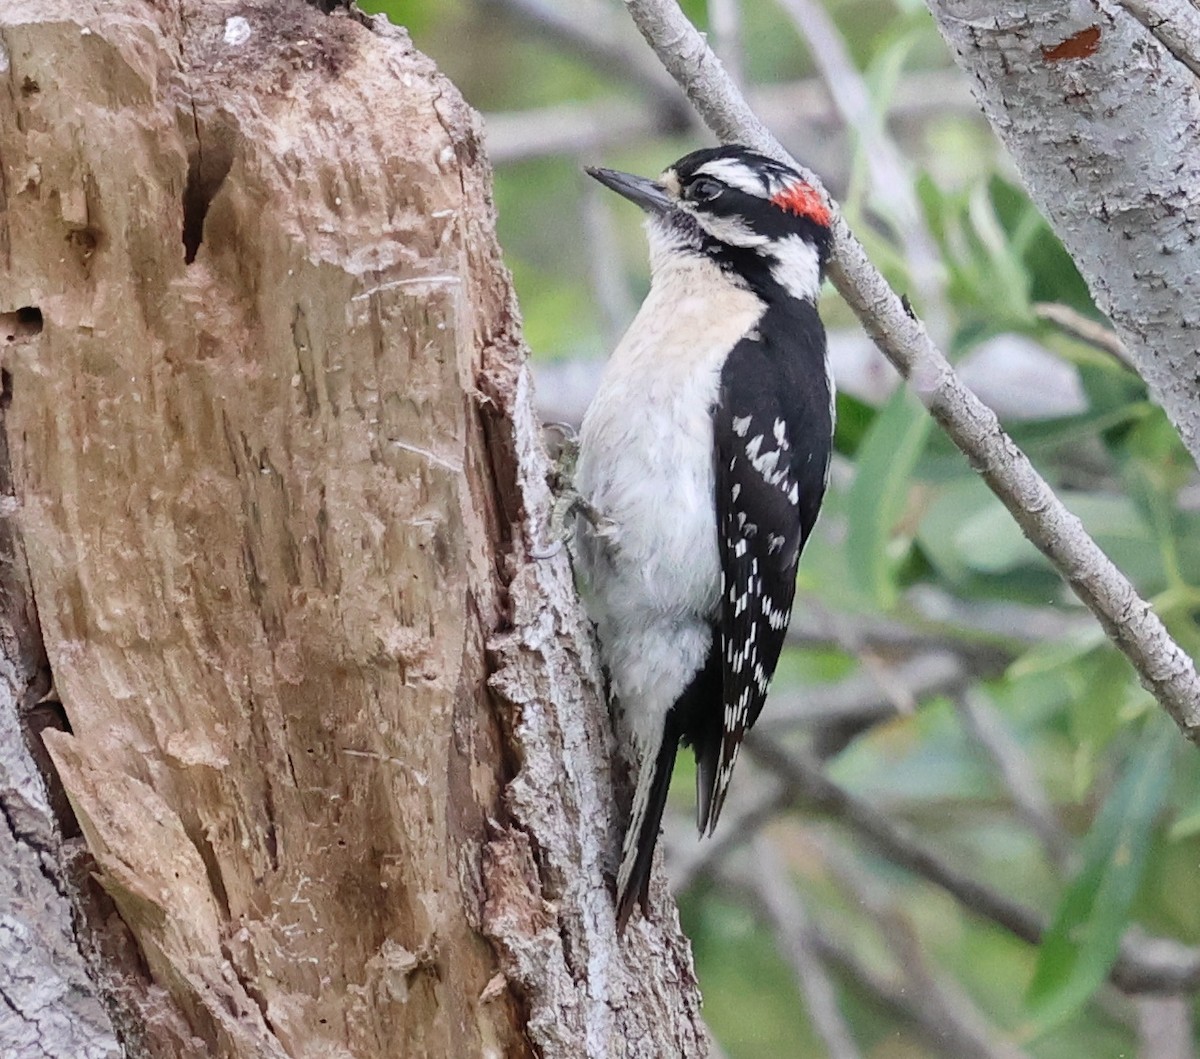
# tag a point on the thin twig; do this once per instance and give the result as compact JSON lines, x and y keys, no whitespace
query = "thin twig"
{"x":691,"y":860}
{"x":1085,"y":329}
{"x":585,"y":34}
{"x":1163,"y":667}
{"x":893,"y":192}
{"x":788,"y":921}
{"x":1164,"y":1027}
{"x":942,"y":1000}
{"x":931,"y":619}
{"x":893,"y":990}
{"x":1017,"y":774}
{"x":801,"y":109}
{"x":859,"y":699}
{"x":889,"y":991}
{"x":1142,"y":965}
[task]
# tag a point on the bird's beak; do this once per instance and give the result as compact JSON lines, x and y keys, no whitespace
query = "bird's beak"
{"x":649,"y":194}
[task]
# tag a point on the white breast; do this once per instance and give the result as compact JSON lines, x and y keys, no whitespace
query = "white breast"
{"x":646,"y":463}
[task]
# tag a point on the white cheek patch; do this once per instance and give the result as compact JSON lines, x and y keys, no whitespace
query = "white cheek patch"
{"x":797,"y":269}
{"x":730,"y":230}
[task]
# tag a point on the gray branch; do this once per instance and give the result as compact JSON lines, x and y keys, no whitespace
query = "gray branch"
{"x":1016,"y":772}
{"x":1164,"y":1026}
{"x":893,"y":192}
{"x":1096,"y":102}
{"x":1163,"y":667}
{"x":943,"y":1002}
{"x":802,"y":108}
{"x":785,"y":914}
{"x":941,"y":1014}
{"x":1080,"y":327}
{"x":1143,"y":964}
{"x":588,"y":35}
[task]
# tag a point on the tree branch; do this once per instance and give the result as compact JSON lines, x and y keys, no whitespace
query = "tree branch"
{"x":787,"y":919}
{"x":1164,"y":1026}
{"x":1143,"y":964}
{"x":586,"y":37}
{"x":1016,"y":773}
{"x":802,"y":108}
{"x":949,"y":1023}
{"x":1084,"y":329}
{"x":1163,"y":667}
{"x":892,"y":191}
{"x":1096,"y":104}
{"x":1175,"y":23}
{"x":941,"y":999}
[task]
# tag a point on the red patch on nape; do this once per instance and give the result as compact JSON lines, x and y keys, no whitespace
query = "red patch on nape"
{"x":804,"y":201}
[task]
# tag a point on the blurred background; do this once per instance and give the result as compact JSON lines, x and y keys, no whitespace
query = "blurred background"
{"x":953,"y":765}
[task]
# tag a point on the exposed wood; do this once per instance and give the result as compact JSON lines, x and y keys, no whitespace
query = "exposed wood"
{"x":49,"y":1008}
{"x":338,"y":751}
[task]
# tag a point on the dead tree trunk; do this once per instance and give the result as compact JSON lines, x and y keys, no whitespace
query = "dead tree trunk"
{"x":335,"y":742}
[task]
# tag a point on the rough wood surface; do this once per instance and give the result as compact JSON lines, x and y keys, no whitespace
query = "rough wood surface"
{"x":337,"y":747}
{"x":49,"y":1007}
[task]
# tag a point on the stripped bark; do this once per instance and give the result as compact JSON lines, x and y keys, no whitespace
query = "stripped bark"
{"x":49,"y":1008}
{"x":338,"y":748}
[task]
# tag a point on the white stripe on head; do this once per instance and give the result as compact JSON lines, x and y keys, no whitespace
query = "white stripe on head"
{"x":797,"y":268}
{"x":736,"y":174}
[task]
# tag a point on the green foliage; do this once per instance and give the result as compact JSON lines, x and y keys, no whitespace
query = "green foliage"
{"x":889,"y":451}
{"x":1083,"y":939}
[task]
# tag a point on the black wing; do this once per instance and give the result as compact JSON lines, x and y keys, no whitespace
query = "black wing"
{"x":772,"y":439}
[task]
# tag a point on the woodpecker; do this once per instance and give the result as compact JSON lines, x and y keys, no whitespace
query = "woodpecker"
{"x":703,"y":460}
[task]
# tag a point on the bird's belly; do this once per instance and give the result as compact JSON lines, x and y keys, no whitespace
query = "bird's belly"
{"x":655,"y":485}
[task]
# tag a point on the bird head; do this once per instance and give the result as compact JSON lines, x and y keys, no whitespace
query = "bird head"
{"x":756,"y":218}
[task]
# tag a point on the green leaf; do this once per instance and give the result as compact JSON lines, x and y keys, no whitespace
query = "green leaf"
{"x":854,"y":419}
{"x":886,"y":458}
{"x":1082,"y":942}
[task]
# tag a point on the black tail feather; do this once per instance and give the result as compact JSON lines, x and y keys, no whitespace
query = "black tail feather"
{"x":637,"y":885}
{"x":695,"y":719}
{"x":704,"y":729}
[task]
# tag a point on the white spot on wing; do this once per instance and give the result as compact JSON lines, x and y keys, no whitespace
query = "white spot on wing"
{"x":740,"y":425}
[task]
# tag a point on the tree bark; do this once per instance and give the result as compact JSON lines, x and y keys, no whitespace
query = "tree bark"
{"x":337,"y":746}
{"x":1097,"y":102}
{"x":48,"y":1005}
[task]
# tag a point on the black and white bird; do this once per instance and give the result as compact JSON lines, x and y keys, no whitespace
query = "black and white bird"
{"x":704,"y":457}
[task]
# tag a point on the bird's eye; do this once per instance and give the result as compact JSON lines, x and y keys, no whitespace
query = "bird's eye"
{"x":703,"y":190}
